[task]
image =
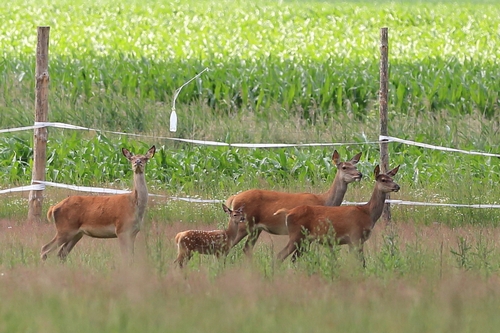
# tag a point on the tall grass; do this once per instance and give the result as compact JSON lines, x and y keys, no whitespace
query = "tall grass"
{"x":417,"y":279}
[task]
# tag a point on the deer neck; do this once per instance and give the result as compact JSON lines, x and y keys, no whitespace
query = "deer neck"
{"x":335,"y":194}
{"x":141,"y":193}
{"x":376,"y":205}
{"x":231,"y":233}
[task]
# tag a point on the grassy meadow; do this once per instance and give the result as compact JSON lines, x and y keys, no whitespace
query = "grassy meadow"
{"x":279,"y":72}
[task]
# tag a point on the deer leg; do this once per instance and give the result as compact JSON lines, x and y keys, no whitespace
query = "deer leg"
{"x":180,"y":255}
{"x":223,"y":253}
{"x":185,"y":258}
{"x":292,"y":247}
{"x":68,"y":246}
{"x":126,"y":240}
{"x":361,"y":255}
{"x":289,"y":249}
{"x":359,"y":252}
{"x":47,"y":248}
{"x":299,"y":245}
{"x":180,"y":260}
{"x":183,"y":254}
{"x":58,"y":240}
{"x":218,"y":255}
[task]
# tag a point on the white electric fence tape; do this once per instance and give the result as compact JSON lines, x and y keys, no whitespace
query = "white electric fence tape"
{"x":416,"y":203}
{"x":199,"y":142}
{"x":17,"y":129}
{"x":40,"y":185}
{"x":425,"y":145}
{"x":36,"y":187}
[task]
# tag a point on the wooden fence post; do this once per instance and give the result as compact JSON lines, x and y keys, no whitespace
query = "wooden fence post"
{"x":383,"y":93}
{"x":41,"y":115}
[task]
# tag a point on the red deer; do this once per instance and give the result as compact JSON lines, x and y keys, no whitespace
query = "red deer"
{"x":260,"y":205}
{"x":110,"y":216}
{"x":350,"y":225}
{"x":216,"y":242}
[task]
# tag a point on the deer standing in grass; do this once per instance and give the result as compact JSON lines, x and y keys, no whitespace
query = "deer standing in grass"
{"x":350,"y":225}
{"x":260,"y":205}
{"x":216,"y":242}
{"x":110,"y":216}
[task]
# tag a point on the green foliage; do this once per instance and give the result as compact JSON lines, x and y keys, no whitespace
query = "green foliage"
{"x":390,"y":257}
{"x":216,"y":172}
{"x":306,"y":57}
{"x":16,"y":154}
{"x":475,"y":254}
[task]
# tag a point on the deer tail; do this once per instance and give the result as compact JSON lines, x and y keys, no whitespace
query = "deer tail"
{"x":50,"y":214}
{"x":281,"y":211}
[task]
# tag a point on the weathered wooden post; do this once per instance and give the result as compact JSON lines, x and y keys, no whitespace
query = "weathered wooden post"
{"x":41,"y":115}
{"x":383,"y":93}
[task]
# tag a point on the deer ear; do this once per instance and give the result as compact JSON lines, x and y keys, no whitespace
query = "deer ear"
{"x":151,"y":152}
{"x":127,"y":153}
{"x":226,"y":209}
{"x":336,"y":157}
{"x":393,"y":172}
{"x":356,"y":158}
{"x":376,"y":172}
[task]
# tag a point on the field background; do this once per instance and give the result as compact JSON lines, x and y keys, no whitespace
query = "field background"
{"x":283,"y":72}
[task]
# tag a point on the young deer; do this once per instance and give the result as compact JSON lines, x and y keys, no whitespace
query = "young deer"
{"x":216,"y":242}
{"x":350,"y":225}
{"x":260,"y":205}
{"x":107,"y":216}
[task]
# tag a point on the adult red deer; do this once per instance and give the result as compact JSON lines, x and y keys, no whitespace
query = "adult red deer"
{"x":260,"y":205}
{"x":350,"y":225}
{"x":216,"y":242}
{"x":108,"y":216}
